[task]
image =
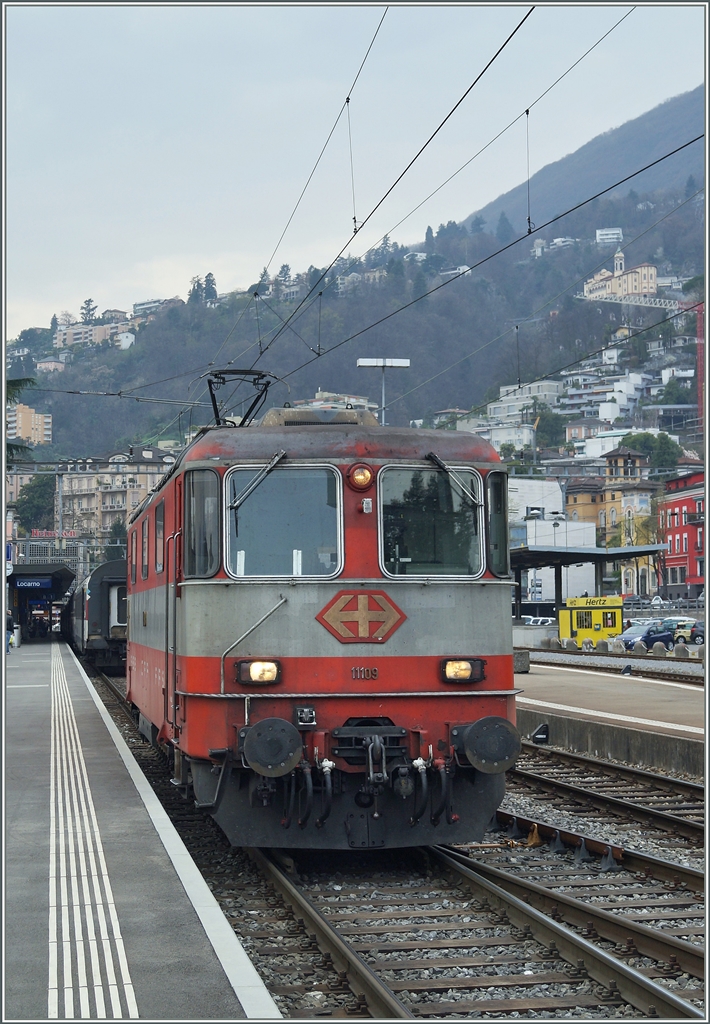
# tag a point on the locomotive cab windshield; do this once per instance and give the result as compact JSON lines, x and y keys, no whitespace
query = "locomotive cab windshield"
{"x":430,"y":526}
{"x":288,"y":526}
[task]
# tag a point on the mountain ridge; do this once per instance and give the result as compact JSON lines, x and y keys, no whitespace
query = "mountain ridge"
{"x":563,"y":183}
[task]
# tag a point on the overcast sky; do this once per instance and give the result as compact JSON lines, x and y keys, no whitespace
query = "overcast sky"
{"x":148,"y":144}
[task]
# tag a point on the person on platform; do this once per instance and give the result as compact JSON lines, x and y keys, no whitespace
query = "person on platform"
{"x":10,"y":629}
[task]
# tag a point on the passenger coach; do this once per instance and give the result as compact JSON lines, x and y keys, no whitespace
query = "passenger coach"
{"x":320,"y":632}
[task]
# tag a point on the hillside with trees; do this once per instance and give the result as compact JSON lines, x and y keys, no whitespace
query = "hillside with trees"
{"x":461,"y":338}
{"x":608,"y":158}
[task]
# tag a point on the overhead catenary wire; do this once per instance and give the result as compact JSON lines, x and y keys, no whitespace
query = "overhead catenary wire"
{"x":304,"y":307}
{"x":545,"y":92}
{"x":411,"y":163}
{"x":595,"y":352}
{"x":544,"y":305}
{"x":469,"y":355}
{"x":303,"y":191}
{"x":498,"y":252}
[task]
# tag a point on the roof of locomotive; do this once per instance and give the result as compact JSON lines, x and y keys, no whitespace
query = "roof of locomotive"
{"x":337,"y":441}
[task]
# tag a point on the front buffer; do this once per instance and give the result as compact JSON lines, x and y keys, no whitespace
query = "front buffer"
{"x":271,"y":795}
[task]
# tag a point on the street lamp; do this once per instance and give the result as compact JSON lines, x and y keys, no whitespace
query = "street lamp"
{"x":384,"y":363}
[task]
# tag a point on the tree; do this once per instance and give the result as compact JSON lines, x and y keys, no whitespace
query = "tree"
{"x":116,"y":543}
{"x":674,"y":393}
{"x":429,"y":240}
{"x":642,"y":442}
{"x":197,"y":291}
{"x":284,"y":274}
{"x":88,"y":311}
{"x":66,"y":319}
{"x":35,"y":503}
{"x":504,"y":231}
{"x":477,"y":225}
{"x":210,"y":288}
{"x":314,"y":275}
{"x":54,"y":323}
{"x":662,"y":452}
{"x":550,"y":427}
{"x":666,"y":454}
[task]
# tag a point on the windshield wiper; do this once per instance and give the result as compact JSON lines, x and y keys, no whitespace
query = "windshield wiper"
{"x":253,"y":484}
{"x":460,"y":483}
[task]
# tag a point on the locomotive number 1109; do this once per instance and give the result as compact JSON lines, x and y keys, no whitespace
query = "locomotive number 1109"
{"x":363,"y":673}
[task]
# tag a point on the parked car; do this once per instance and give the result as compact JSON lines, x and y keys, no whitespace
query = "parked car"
{"x":659,"y":602}
{"x":649,"y":634}
{"x":697,"y":634}
{"x":543,"y":620}
{"x":681,"y":627}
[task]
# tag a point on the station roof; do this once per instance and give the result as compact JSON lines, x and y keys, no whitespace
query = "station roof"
{"x":538,"y":556}
{"x":60,"y":574}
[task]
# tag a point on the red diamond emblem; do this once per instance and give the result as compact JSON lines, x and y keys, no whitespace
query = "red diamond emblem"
{"x":361,"y":616}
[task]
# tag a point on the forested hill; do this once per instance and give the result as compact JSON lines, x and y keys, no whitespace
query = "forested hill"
{"x":460,"y":338}
{"x":608,"y":158}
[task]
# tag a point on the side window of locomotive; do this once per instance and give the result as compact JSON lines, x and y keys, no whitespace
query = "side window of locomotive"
{"x":159,"y":536}
{"x":289,"y":525}
{"x":498,"y":563}
{"x":201,"y":522}
{"x":144,"y":548}
{"x":429,"y":527}
{"x":134,"y":555}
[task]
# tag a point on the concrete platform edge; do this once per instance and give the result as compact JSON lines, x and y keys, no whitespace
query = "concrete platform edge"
{"x":664,"y":752}
{"x":241,"y":973}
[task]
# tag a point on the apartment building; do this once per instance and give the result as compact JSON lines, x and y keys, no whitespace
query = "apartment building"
{"x":610,"y":236}
{"x":93,"y":493}
{"x":681,"y":523}
{"x":86,"y":334}
{"x":24,"y":423}
{"x":520,"y":435}
{"x":516,"y":401}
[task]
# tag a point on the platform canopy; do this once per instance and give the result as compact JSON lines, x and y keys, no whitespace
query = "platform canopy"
{"x":539,"y":556}
{"x":34,"y":578}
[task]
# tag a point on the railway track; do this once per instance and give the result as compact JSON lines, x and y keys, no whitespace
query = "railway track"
{"x":447,"y":941}
{"x":446,"y":934}
{"x":576,"y":781}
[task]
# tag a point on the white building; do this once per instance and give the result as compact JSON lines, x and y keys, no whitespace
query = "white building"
{"x":610,"y":236}
{"x":538,"y":504}
{"x":124,"y":339}
{"x":514,"y":400}
{"x":607,"y":440}
{"x":149,"y":306}
{"x":333,"y":400}
{"x":521,"y":435}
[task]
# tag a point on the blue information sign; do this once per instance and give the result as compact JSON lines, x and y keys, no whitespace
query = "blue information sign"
{"x":34,"y":583}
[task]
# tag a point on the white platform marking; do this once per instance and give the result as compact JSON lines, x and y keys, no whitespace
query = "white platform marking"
{"x":696,"y":687}
{"x":250,"y":990}
{"x":81,"y":968}
{"x":612,"y":717}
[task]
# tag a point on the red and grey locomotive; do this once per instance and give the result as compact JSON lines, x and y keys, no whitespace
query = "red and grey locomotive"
{"x":319,"y":630}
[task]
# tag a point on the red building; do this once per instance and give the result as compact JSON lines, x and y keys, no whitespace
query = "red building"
{"x":681,"y":514}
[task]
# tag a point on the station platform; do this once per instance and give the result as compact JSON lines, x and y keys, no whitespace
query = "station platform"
{"x":655,"y":722}
{"x":106,"y":915}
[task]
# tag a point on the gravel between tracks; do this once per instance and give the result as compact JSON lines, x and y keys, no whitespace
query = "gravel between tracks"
{"x":631,"y":835}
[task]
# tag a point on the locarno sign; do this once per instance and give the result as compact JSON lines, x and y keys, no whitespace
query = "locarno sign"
{"x":37,"y":583}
